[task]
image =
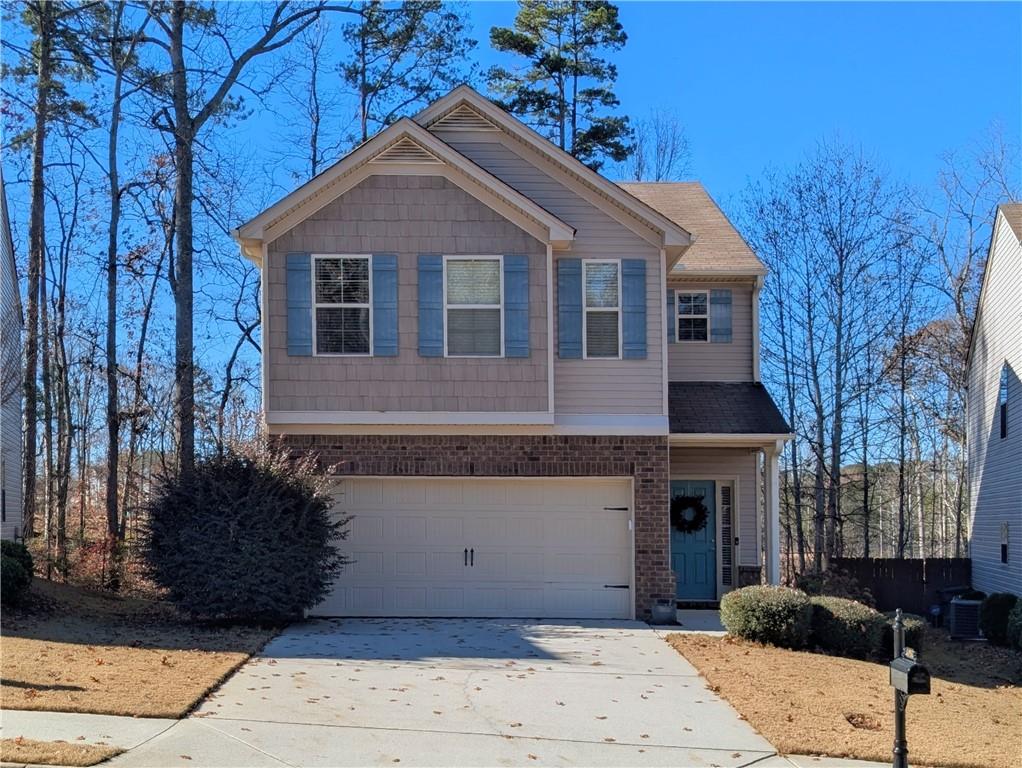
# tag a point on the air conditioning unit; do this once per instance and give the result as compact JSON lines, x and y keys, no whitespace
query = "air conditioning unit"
{"x":963,"y":618}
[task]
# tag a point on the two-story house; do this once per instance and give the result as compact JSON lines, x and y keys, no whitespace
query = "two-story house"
{"x":538,"y":390}
{"x":10,"y":381}
{"x":994,"y":413}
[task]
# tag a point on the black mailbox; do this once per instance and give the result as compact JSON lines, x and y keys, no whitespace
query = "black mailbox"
{"x":909,"y":676}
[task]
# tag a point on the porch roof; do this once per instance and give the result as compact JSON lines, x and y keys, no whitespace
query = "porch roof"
{"x":723,"y":408}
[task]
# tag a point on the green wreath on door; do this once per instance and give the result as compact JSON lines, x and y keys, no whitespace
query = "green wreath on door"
{"x":688,"y":514}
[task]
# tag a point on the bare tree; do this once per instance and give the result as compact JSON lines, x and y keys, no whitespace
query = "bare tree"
{"x":661,"y":148}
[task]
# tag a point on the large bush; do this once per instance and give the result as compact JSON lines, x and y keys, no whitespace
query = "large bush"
{"x":1014,"y":628}
{"x":915,"y":631}
{"x":20,"y":553}
{"x":244,"y":537}
{"x":775,"y":615}
{"x":993,"y":616}
{"x":14,"y":581}
{"x":846,"y":627}
{"x":834,"y":583}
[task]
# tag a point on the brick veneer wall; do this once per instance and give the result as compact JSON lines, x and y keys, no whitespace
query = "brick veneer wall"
{"x":643,"y":458}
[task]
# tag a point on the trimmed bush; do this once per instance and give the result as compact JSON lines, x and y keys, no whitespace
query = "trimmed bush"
{"x":993,"y":616}
{"x":20,"y":553}
{"x":915,"y":631}
{"x":846,"y":627}
{"x":14,"y":581}
{"x":766,"y":614}
{"x":1014,"y":628}
{"x":835,"y":583}
{"x":244,"y":538}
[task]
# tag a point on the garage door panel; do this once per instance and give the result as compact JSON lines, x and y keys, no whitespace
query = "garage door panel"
{"x":541,"y":548}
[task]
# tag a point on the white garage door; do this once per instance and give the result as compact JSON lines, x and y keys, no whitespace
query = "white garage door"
{"x":509,"y":548}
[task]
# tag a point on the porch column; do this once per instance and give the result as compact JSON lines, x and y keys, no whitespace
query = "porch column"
{"x":773,"y":513}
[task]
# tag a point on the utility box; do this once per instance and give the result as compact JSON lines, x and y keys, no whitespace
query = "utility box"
{"x":909,"y":676}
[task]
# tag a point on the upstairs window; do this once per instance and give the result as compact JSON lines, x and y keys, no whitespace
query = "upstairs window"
{"x":341,"y":306}
{"x":693,"y":315}
{"x":473,"y":307}
{"x":1002,"y":400}
{"x":602,"y":332}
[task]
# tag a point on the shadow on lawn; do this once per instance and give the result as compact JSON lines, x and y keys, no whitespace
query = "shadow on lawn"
{"x":971,"y":663}
{"x":39,"y":686}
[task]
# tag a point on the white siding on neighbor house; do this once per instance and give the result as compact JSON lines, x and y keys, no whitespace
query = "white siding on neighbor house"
{"x":582,"y":386}
{"x":995,"y":464}
{"x":706,"y":361}
{"x":10,"y":383}
{"x":727,"y":463}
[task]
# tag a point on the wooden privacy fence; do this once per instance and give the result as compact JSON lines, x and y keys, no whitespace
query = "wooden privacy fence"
{"x":912,"y":585}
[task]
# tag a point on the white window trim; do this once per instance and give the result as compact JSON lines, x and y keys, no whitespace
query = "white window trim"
{"x":316,"y":305}
{"x":499,"y":305}
{"x":586,"y":309}
{"x":678,"y":316}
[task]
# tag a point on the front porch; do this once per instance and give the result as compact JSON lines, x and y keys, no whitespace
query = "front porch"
{"x":724,"y":507}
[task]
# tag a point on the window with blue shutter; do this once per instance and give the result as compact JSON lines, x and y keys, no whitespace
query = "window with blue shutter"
{"x":431,"y":305}
{"x":385,"y":341}
{"x":720,"y":315}
{"x":633,"y":309}
{"x":299,"y":304}
{"x":569,"y":308}
{"x":516,"y":306}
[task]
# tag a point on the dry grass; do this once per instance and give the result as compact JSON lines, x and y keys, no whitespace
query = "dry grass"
{"x":78,"y":651}
{"x":809,"y":703}
{"x":21,"y":750}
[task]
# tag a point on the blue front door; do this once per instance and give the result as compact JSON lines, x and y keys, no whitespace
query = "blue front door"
{"x":694,"y":555}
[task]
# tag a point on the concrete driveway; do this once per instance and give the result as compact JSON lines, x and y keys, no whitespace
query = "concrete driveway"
{"x":460,"y":693}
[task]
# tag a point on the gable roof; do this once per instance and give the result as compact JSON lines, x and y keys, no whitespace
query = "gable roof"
{"x":1011,"y":214}
{"x":464,"y":106}
{"x":718,"y":248}
{"x":404,"y":147}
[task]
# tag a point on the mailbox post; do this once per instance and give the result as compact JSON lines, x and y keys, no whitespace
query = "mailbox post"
{"x":908,"y":677}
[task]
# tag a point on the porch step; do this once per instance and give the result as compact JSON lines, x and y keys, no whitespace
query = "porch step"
{"x":711,"y":605}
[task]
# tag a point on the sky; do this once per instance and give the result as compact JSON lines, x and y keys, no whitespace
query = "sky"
{"x":758,"y":84}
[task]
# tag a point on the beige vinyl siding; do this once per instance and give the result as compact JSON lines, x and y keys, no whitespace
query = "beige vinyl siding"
{"x":408,"y":216}
{"x":705,"y":361}
{"x":10,"y":383}
{"x":582,"y":386}
{"x":716,"y":463}
{"x":995,"y":464}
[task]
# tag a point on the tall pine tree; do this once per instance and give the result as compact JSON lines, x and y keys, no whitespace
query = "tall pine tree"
{"x":567,"y":86}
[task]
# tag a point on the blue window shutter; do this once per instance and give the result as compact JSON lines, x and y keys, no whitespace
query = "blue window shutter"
{"x":569,"y":308}
{"x":431,"y":305}
{"x":633,"y":309}
{"x":516,"y":306}
{"x":720,"y":315}
{"x":384,"y":305}
{"x":299,"y":304}
{"x":672,"y":318}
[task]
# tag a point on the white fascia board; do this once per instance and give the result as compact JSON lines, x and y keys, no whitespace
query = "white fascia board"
{"x":394,"y":423}
{"x":410,"y":418}
{"x":724,"y":439}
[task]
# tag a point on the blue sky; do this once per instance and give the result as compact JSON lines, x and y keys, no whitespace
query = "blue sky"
{"x":757,"y":84}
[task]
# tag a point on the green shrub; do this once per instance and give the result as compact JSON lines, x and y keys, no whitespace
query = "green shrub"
{"x":846,"y":627}
{"x":244,"y":538}
{"x":972,"y":594}
{"x":20,"y":553}
{"x":1014,"y":628}
{"x":834,"y":583}
{"x":14,"y":581}
{"x":915,"y":631}
{"x":775,"y":615}
{"x":993,"y":616}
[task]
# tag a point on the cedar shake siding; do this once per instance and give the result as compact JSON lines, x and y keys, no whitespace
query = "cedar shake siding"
{"x":643,"y":459}
{"x":583,"y":386}
{"x":995,"y":462}
{"x":407,"y":216}
{"x":708,"y":361}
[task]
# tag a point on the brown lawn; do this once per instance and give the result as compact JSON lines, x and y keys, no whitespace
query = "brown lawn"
{"x":80,"y":651}
{"x":809,"y":703}
{"x":32,"y":752}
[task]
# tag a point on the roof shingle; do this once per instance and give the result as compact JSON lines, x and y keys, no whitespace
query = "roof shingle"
{"x":731,"y":408}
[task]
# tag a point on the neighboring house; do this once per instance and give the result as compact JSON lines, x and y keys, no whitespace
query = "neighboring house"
{"x":994,"y":413}
{"x":513,"y":365}
{"x":10,"y":381}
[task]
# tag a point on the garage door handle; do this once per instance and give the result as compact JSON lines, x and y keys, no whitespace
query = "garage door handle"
{"x":472,"y":555}
{"x":615,"y":586}
{"x":466,"y":556}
